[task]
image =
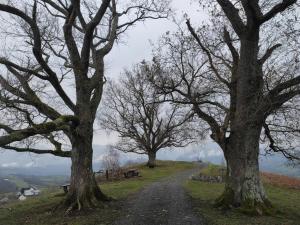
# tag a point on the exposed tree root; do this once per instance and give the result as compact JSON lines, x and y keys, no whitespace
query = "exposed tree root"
{"x":248,"y":206}
{"x":226,"y":200}
{"x":257,"y":208}
{"x":89,"y":199}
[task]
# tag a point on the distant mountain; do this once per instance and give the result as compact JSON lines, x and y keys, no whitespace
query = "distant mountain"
{"x":40,"y":165}
{"x":13,"y":183}
{"x":48,"y":165}
{"x":210,"y":152}
{"x":277,"y":163}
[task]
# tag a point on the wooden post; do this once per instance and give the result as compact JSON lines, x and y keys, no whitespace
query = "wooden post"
{"x":106,"y":174}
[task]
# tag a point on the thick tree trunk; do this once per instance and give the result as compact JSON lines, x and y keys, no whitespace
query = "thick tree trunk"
{"x":151,"y":159}
{"x":243,"y":186}
{"x":84,"y":191}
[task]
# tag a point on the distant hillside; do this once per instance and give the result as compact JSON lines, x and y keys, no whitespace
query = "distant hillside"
{"x":7,"y":186}
{"x":278,"y":164}
{"x":12,"y":183}
{"x":12,"y":163}
{"x":281,"y":180}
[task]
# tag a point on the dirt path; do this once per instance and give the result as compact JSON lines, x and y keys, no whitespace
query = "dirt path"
{"x":162,"y":203}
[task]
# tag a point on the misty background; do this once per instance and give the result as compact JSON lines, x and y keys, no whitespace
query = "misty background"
{"x":48,"y":165}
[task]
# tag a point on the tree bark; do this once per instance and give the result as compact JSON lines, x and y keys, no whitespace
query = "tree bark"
{"x":84,"y":191}
{"x":151,"y":159}
{"x":243,"y":186}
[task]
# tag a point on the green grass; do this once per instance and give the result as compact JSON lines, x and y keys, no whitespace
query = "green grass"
{"x":121,"y":189}
{"x":286,"y":201}
{"x":37,"y":211}
{"x":212,"y":170}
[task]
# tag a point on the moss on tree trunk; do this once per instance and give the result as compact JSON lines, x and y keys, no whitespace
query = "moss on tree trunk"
{"x":83,"y":192}
{"x":243,"y":186}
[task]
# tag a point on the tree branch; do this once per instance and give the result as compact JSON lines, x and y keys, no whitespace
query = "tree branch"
{"x":44,"y":128}
{"x":207,"y":52}
{"x":268,"y":53}
{"x":37,"y":51}
{"x":273,"y":145}
{"x":277,"y":9}
{"x":88,"y":37}
{"x":233,"y":15}
{"x":66,"y":154}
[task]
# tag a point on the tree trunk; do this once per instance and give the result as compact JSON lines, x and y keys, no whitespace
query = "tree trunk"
{"x":151,"y":159}
{"x":243,"y":186}
{"x":84,"y":191}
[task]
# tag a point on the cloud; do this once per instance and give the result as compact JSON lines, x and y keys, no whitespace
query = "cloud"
{"x":99,"y":159}
{"x":10,"y":165}
{"x":30,"y":164}
{"x":17,"y":165}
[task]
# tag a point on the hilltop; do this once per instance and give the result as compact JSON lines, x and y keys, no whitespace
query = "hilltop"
{"x":38,"y":210}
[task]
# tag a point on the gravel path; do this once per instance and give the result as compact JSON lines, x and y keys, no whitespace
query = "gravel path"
{"x":162,"y":203}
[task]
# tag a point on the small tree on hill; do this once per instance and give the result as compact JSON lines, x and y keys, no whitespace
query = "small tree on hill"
{"x":144,"y":123}
{"x":111,"y":161}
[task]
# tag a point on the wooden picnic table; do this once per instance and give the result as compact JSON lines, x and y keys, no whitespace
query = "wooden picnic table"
{"x":66,"y":187}
{"x":131,"y":173}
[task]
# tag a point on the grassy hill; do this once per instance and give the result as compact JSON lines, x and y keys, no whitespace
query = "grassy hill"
{"x":283,"y":191}
{"x":12,"y":183}
{"x":38,"y":210}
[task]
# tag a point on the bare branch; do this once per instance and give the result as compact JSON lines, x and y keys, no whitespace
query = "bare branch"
{"x":66,"y":154}
{"x":233,"y":15}
{"x":207,"y":52}
{"x":277,"y":9}
{"x":61,"y":123}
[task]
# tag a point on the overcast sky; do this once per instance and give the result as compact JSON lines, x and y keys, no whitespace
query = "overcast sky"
{"x":136,"y":46}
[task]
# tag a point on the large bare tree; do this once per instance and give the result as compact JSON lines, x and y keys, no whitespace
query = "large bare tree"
{"x":145,"y":123}
{"x":53,"y":73}
{"x":240,"y":71}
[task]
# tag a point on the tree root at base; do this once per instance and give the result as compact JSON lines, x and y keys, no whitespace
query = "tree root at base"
{"x":77,"y":203}
{"x":249,"y":206}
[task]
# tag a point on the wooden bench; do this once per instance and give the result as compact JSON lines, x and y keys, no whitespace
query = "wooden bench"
{"x":100,"y":172}
{"x":131,"y":173}
{"x":65,"y":187}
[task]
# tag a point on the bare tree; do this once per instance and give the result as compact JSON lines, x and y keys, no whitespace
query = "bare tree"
{"x":53,"y":73}
{"x":145,"y":125}
{"x":240,"y":72}
{"x":111,"y":161}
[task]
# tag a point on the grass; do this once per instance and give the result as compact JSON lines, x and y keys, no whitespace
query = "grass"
{"x":121,"y":189}
{"x":212,"y":170}
{"x":285,"y":200}
{"x":36,"y":211}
